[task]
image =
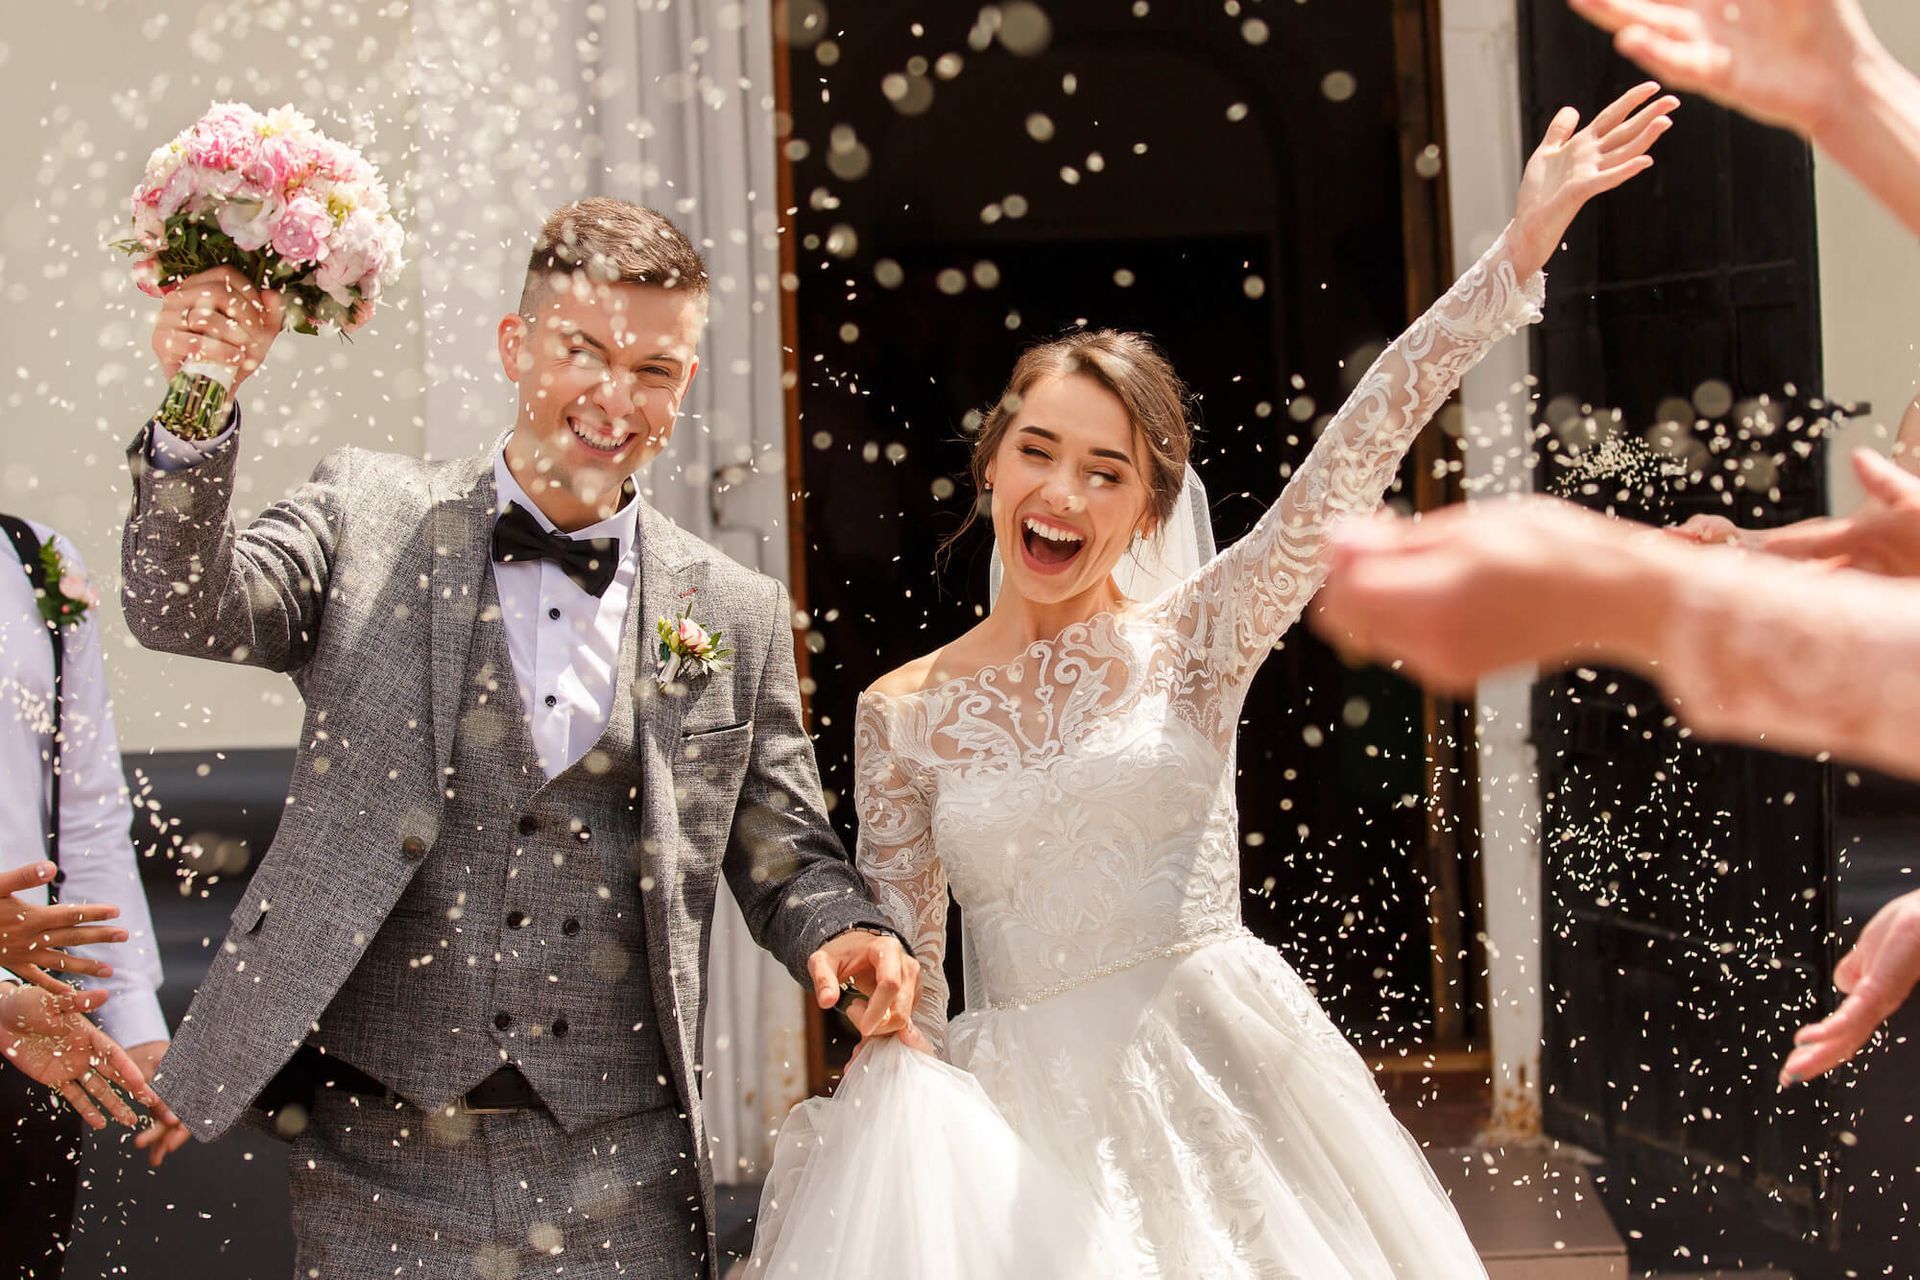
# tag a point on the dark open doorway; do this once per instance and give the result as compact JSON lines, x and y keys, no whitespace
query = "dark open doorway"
{"x":1243,"y":183}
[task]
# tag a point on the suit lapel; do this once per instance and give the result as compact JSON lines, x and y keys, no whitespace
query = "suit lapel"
{"x":665,"y":574}
{"x":463,"y":513}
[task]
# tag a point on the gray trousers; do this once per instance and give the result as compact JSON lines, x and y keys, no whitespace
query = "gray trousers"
{"x":384,"y":1189}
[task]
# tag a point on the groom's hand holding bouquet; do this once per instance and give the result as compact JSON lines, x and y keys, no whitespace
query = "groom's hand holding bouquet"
{"x":218,"y":317}
{"x":247,"y":223}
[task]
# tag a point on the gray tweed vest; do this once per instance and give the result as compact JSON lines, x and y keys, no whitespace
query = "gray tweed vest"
{"x":520,"y":939}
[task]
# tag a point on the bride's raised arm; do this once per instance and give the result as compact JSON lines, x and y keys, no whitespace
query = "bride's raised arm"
{"x":1239,"y":605}
{"x":895,"y":851}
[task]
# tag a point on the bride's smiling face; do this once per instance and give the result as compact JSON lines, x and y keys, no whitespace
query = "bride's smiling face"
{"x":1069,"y":489}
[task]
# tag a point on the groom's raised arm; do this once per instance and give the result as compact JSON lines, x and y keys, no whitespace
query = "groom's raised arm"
{"x":193,"y":585}
{"x":785,"y":865}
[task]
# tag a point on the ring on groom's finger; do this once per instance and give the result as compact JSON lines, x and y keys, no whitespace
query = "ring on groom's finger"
{"x":851,"y":989}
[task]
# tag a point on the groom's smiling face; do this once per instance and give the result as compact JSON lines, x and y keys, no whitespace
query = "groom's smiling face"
{"x":602,"y":370}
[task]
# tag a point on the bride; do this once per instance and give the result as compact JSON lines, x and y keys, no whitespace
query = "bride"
{"x":1138,"y":1086}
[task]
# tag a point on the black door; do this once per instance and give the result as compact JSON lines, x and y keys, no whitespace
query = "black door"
{"x":1231,"y":184}
{"x":1689,"y":886}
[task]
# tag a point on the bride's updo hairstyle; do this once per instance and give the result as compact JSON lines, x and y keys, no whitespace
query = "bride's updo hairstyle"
{"x":1138,"y":375}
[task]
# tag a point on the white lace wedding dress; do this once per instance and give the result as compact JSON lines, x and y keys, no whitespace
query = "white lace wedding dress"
{"x":1143,"y":1088}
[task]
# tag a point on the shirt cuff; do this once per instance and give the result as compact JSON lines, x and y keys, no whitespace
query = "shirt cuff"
{"x":133,"y":1017}
{"x":169,"y":452}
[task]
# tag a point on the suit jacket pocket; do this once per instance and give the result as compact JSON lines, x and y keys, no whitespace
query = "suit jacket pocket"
{"x":252,"y":911}
{"x":708,"y":766}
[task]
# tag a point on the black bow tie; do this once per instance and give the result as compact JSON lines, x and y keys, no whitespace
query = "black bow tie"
{"x":519,"y":537}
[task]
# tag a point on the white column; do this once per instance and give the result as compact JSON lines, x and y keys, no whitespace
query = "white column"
{"x":1485,"y":154}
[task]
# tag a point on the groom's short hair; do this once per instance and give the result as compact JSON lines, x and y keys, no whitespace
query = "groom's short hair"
{"x":613,"y":242}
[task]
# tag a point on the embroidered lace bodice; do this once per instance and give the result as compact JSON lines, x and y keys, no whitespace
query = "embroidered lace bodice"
{"x":1079,"y":800}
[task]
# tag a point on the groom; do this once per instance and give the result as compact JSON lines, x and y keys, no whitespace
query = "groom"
{"x":467,"y":979}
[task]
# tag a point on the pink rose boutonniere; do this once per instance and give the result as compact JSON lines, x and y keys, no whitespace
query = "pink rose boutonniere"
{"x":688,"y":649}
{"x":70,"y":596}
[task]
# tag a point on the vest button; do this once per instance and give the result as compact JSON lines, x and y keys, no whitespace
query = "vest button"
{"x":503,"y":1020}
{"x":516,"y":919}
{"x":584,"y":834}
{"x":414,"y":847}
{"x":559,"y":1028}
{"x":528,"y":824}
{"x":570,"y":926}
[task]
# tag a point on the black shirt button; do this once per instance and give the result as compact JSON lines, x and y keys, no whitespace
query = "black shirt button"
{"x":516,"y":919}
{"x":414,"y":847}
{"x":528,"y":824}
{"x":551,"y":699}
{"x":570,"y":926}
{"x":559,"y":1028}
{"x":503,"y":1020}
{"x":554,"y":613}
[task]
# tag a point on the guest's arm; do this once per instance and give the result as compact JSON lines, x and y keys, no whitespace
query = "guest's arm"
{"x":1813,"y":66}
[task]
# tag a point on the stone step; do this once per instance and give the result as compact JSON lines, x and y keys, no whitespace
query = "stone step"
{"x":1532,"y":1212}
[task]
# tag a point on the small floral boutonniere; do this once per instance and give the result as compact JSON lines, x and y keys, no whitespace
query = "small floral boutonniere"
{"x":69,"y":595}
{"x":688,"y":649}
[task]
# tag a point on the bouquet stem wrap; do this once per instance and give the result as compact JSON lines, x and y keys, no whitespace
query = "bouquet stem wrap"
{"x":195,"y":406}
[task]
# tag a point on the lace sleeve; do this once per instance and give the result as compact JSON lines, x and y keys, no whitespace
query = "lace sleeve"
{"x":895,"y":850}
{"x":1235,"y":609}
{"x":1799,"y":658}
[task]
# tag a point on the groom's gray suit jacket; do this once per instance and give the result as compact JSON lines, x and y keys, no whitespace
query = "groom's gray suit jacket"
{"x":366,"y":586}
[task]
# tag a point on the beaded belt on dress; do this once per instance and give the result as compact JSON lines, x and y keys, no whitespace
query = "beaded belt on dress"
{"x":1182,"y":947}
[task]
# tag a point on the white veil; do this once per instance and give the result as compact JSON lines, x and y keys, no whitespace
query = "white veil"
{"x":1150,"y":568}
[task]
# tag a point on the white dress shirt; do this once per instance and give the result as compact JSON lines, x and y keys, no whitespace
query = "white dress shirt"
{"x":564,"y":642}
{"x":96,"y":819}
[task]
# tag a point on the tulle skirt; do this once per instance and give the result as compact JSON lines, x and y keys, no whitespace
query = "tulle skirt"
{"x":1195,"y":1116}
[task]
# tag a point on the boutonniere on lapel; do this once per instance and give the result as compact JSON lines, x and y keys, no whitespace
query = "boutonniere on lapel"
{"x":68,"y":595}
{"x":688,"y":649}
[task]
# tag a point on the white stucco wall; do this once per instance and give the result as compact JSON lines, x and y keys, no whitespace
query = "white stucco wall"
{"x":90,"y":88}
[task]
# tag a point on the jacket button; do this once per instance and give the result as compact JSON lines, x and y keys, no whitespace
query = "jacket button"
{"x":584,"y":834}
{"x":528,"y":824}
{"x":516,"y":919}
{"x":414,"y":847}
{"x":559,"y":1028}
{"x":503,"y":1020}
{"x":570,"y":926}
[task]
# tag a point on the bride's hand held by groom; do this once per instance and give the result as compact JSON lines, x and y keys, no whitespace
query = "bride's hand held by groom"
{"x":877,"y":979}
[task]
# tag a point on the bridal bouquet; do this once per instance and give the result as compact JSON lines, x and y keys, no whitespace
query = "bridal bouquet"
{"x":280,"y":202}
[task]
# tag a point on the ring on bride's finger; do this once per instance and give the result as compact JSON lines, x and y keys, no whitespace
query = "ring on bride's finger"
{"x":852,"y":989}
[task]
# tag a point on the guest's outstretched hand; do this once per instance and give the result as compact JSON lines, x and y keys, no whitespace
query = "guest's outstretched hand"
{"x":38,"y":934}
{"x":882,"y":980}
{"x":49,"y":1037}
{"x":1877,"y":976}
{"x":1468,"y":591}
{"x":1883,"y":536}
{"x":1780,"y":61}
{"x":1573,"y":165}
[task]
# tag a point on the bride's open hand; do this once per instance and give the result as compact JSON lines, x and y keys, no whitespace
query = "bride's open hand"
{"x":1573,"y":165}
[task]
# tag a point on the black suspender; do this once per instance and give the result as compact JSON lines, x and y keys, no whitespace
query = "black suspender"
{"x":27,"y":543}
